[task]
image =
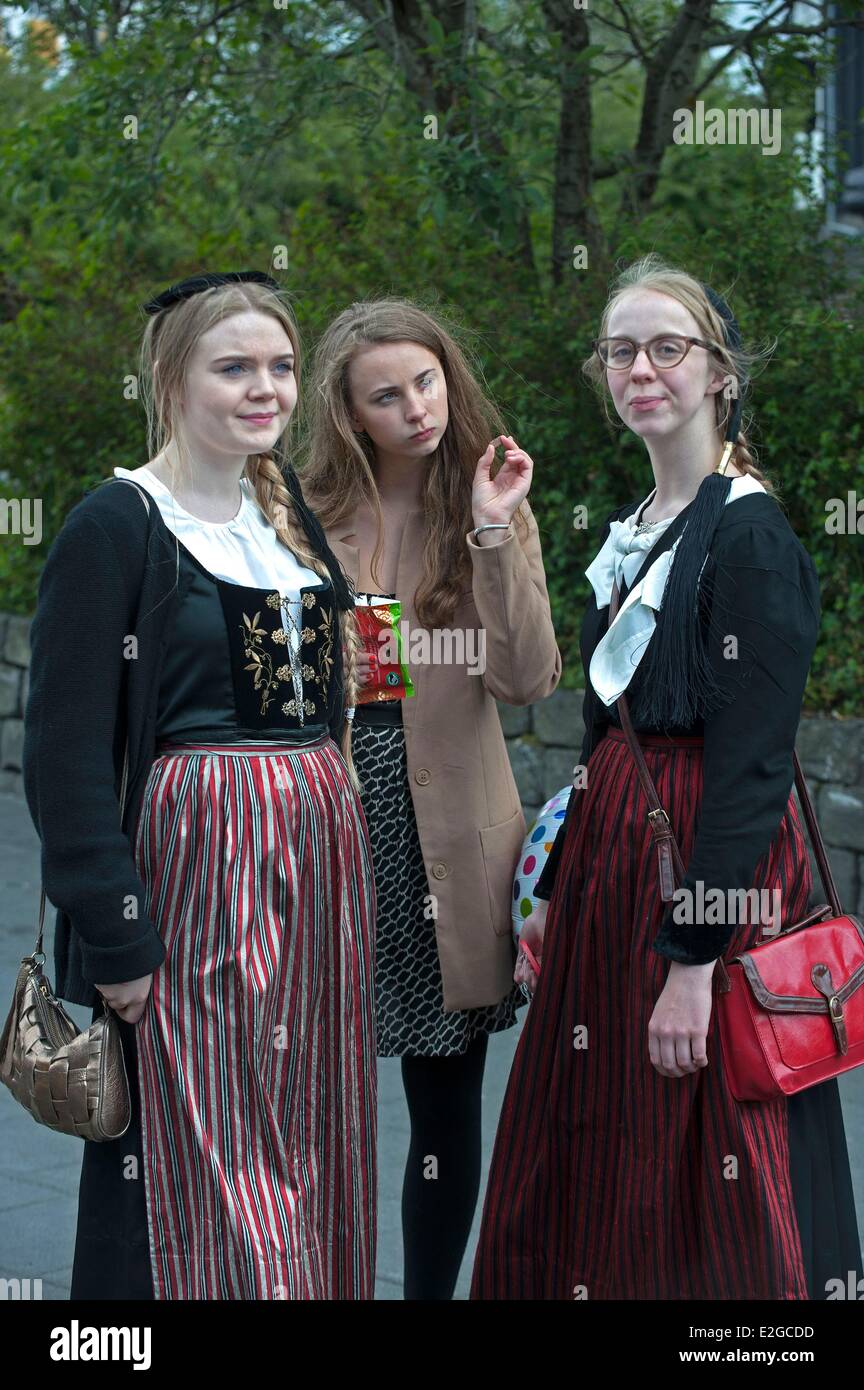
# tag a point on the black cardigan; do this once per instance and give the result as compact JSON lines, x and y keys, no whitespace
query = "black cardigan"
{"x":111,"y":574}
{"x":768,"y":590}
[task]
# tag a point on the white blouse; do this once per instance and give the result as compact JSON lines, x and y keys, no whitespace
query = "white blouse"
{"x":245,"y":550}
{"x":623,"y":645}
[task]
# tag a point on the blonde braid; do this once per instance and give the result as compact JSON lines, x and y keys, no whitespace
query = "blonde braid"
{"x":350,"y":649}
{"x":275,"y":501}
{"x":744,"y":459}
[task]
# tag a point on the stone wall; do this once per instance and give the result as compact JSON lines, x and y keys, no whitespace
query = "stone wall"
{"x":14,"y":682}
{"x":544,"y":742}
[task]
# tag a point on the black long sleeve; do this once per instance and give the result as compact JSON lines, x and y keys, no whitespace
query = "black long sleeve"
{"x":766,"y":595}
{"x":83,"y":617}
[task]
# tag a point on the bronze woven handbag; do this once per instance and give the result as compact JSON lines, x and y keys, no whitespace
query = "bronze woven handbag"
{"x":69,"y":1080}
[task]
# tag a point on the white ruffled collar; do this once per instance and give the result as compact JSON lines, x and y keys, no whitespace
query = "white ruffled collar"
{"x":622,"y":647}
{"x":628,"y":542}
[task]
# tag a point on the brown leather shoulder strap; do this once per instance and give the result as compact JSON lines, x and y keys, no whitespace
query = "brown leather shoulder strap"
{"x":669,"y":861}
{"x":667,"y":846}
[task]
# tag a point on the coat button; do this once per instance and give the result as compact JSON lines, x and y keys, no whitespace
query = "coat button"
{"x":423,"y":776}
{"x":439,"y":870}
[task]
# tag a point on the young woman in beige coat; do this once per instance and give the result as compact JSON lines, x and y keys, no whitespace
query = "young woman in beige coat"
{"x":399,"y":470}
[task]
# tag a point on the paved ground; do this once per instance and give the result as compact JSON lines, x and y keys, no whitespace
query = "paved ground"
{"x":39,"y":1169}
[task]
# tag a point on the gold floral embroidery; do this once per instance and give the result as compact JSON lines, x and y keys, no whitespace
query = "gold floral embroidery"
{"x":260,"y":662}
{"x":291,"y":707}
{"x":266,"y":679}
{"x":326,"y":661}
{"x":284,"y":673}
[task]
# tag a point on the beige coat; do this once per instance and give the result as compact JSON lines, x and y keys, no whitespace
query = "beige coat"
{"x":465,"y":799}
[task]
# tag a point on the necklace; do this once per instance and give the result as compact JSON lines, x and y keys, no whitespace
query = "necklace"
{"x":642,"y":526}
{"x":646,"y":525}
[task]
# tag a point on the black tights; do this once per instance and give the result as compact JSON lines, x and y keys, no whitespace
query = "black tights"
{"x":442,"y":1176}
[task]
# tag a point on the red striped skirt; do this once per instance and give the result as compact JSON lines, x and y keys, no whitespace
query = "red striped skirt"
{"x":609,"y":1181}
{"x":256,"y":1052}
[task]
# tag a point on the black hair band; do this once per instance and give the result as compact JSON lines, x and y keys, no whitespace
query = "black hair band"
{"x":185,"y":289}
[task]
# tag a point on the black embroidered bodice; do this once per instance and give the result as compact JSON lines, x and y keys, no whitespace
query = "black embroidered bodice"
{"x":227,"y":672}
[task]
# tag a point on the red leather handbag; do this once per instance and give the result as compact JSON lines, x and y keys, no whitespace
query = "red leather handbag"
{"x":790,"y":1010}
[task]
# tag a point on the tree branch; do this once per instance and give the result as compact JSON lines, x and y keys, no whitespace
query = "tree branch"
{"x":629,"y":29}
{"x":574,"y":217}
{"x":669,"y":79}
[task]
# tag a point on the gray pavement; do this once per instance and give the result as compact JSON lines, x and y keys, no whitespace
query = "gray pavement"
{"x":39,"y":1169}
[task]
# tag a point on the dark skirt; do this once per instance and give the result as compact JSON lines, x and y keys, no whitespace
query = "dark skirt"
{"x":409,"y":991}
{"x":249,"y":1170}
{"x":609,"y":1181}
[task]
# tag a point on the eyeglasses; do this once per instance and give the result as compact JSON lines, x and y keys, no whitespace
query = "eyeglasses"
{"x":667,"y":350}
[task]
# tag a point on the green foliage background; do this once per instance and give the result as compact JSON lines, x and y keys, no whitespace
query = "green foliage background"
{"x":94,"y":223}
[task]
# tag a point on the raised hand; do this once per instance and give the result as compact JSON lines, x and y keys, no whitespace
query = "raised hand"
{"x":494,"y":500}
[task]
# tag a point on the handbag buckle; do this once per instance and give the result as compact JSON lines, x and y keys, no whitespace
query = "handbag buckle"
{"x":659,"y":813}
{"x":838,"y":1023}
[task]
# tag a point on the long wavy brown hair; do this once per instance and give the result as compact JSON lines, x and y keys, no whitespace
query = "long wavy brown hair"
{"x":170,"y":337}
{"x":336,"y":464}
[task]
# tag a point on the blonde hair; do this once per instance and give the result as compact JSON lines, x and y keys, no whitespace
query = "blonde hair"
{"x":170,"y":338}
{"x":651,"y":272}
{"x":337,"y":463}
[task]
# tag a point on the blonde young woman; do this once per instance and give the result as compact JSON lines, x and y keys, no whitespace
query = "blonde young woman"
{"x":623,"y":1166}
{"x":192,"y":607}
{"x":400,"y":473}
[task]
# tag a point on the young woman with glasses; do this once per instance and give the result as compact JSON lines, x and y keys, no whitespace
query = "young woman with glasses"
{"x":623,"y":1166}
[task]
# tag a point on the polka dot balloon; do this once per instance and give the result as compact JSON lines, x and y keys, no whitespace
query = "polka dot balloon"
{"x":535,"y":852}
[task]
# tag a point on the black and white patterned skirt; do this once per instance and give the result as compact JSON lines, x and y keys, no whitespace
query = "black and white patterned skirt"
{"x":408,"y":985}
